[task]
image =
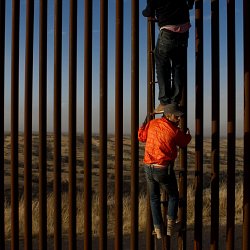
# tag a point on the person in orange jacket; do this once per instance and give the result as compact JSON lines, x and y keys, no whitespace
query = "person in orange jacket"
{"x":163,"y":137}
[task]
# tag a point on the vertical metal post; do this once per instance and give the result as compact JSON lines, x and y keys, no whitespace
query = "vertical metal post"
{"x":150,"y":108}
{"x":28,"y":125}
{"x":198,"y":125}
{"x":43,"y":126}
{"x":182,"y":213}
{"x":57,"y":124}
{"x":14,"y":124}
{"x":72,"y":123}
{"x":87,"y":124}
{"x":150,"y":66}
{"x":119,"y":126}
{"x":231,"y":124}
{"x":215,"y":125}
{"x":166,"y":240}
{"x":246,"y":192}
{"x":134,"y":123}
{"x":103,"y":123}
{"x":2,"y":57}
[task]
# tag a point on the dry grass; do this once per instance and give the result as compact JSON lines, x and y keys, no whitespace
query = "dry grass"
{"x":142,"y":208}
{"x":142,"y":203}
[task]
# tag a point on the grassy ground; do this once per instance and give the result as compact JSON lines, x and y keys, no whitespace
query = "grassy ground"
{"x":142,"y":204}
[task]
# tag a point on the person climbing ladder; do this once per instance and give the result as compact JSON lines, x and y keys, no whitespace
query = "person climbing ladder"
{"x":162,"y":137}
{"x":174,"y":24}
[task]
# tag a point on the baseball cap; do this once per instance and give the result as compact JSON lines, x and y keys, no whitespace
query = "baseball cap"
{"x":172,"y":108}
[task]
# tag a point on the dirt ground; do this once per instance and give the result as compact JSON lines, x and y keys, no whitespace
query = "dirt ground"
{"x":142,"y":241}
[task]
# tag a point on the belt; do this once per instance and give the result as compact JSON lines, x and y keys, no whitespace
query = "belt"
{"x":158,"y":165}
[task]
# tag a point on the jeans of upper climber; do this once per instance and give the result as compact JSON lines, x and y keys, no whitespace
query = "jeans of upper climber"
{"x":170,"y":60}
{"x":162,"y":178}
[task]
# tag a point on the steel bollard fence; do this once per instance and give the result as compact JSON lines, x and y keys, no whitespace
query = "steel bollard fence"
{"x":103,"y":237}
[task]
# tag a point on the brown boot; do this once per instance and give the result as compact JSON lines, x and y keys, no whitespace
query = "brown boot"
{"x":159,"y":109}
{"x":173,"y":227}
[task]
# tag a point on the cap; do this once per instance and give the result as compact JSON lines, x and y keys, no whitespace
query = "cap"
{"x":172,"y":108}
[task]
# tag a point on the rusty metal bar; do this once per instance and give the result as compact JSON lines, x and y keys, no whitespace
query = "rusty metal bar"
{"x":43,"y":126}
{"x":246,"y":192}
{"x":72,"y":122}
{"x":28,"y":125}
{"x":103,"y":123}
{"x":119,"y":126}
{"x":14,"y":124}
{"x":87,"y":124}
{"x":57,"y":123}
{"x":215,"y":125}
{"x":182,"y":211}
{"x":150,"y":66}
{"x":150,"y":108}
{"x":2,"y":57}
{"x":231,"y":125}
{"x":134,"y":123}
{"x":198,"y":125}
{"x":149,"y":227}
{"x":166,"y":240}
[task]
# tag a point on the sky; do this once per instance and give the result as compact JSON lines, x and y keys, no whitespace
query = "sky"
{"x":126,"y":67}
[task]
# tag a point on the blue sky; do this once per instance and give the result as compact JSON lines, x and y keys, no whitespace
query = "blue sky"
{"x":127,"y":66}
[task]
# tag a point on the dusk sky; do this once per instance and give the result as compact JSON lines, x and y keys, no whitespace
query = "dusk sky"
{"x":127,"y":66}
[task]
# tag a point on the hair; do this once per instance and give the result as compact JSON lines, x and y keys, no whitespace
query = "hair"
{"x":169,"y":118}
{"x":168,"y":115}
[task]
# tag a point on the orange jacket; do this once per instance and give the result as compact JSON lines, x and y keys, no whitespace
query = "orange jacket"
{"x":162,"y":138}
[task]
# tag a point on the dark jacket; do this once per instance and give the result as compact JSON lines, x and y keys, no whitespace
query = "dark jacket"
{"x":171,"y":12}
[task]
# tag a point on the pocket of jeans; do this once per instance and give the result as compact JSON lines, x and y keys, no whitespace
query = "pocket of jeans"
{"x":166,"y":43}
{"x":162,"y":176}
{"x":182,"y":41}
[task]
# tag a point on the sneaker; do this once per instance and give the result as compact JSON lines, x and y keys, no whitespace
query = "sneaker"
{"x":159,"y":232}
{"x":173,"y":227}
{"x":159,"y":109}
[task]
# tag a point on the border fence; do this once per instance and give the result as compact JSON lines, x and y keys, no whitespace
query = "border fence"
{"x":103,"y":135}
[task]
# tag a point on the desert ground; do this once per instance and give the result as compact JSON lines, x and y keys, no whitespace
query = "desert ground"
{"x":126,"y":189}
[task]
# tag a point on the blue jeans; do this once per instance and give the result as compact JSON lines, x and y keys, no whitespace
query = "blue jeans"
{"x":170,"y":61}
{"x":156,"y":178}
